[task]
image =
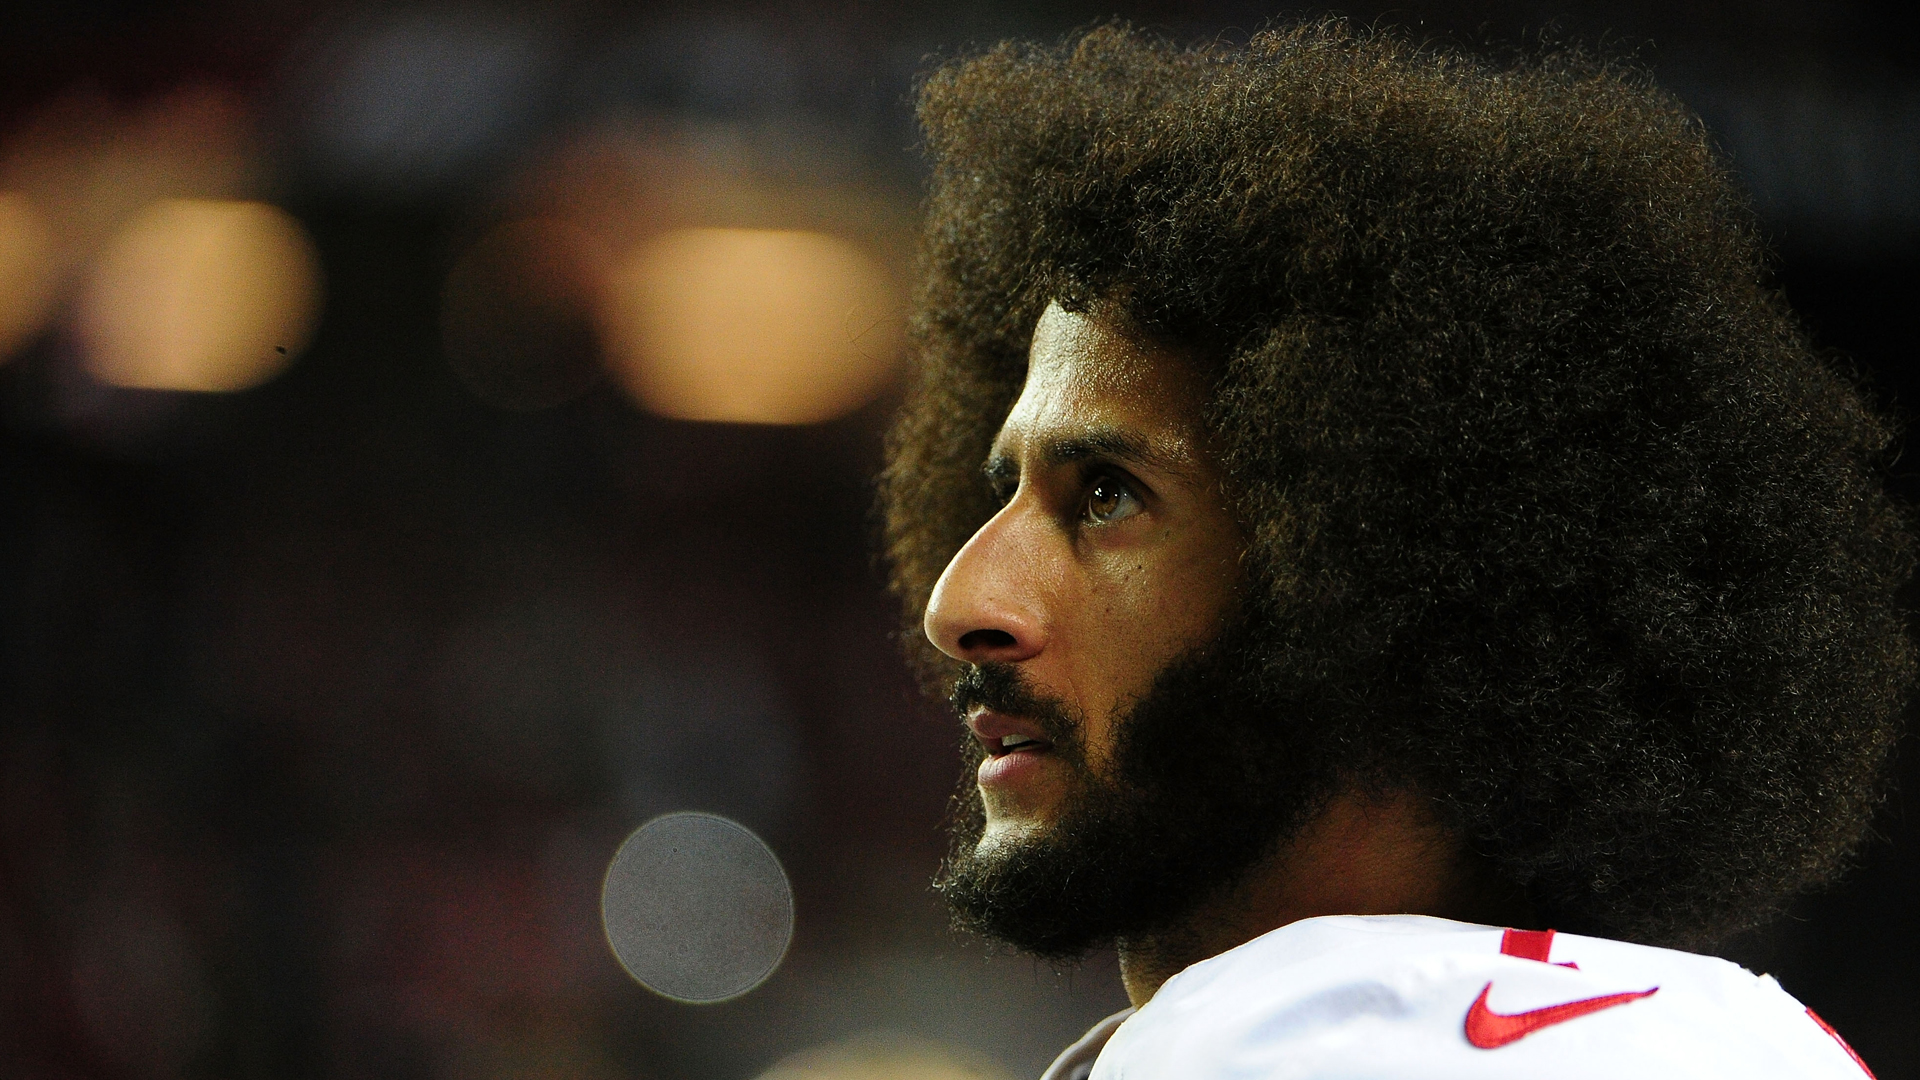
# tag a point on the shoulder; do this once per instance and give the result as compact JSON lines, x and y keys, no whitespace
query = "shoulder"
{"x":1408,"y":995}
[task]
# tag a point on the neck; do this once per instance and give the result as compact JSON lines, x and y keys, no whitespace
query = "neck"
{"x":1363,"y":855}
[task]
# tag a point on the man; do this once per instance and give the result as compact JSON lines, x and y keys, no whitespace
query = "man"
{"x":1371,"y":512}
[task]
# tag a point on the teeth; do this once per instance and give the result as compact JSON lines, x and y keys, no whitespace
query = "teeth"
{"x":1015,"y":740}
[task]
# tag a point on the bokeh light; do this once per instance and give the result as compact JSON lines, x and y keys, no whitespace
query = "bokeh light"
{"x":27,"y":272}
{"x":697,"y":908}
{"x":200,"y":294}
{"x":766,"y":326}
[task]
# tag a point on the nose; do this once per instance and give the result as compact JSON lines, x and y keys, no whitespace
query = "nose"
{"x":988,"y":604}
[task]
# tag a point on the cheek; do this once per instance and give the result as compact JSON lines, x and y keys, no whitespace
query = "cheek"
{"x":1134,"y":614}
{"x":1163,"y":604}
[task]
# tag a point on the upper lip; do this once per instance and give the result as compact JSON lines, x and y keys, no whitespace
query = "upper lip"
{"x":992,"y":727}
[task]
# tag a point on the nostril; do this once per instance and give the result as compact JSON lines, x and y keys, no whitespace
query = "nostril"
{"x":985,"y":639}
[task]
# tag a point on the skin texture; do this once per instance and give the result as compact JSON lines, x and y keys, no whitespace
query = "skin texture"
{"x":1114,"y":553}
{"x":1064,"y":587}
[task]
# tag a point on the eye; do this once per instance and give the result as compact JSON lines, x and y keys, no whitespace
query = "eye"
{"x":1109,"y":500}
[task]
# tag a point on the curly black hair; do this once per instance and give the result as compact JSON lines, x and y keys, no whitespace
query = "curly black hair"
{"x":1556,"y":514}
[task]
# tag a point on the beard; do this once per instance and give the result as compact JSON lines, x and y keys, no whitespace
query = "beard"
{"x":1207,"y":776}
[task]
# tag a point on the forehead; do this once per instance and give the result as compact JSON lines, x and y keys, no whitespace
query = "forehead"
{"x":1088,"y":373}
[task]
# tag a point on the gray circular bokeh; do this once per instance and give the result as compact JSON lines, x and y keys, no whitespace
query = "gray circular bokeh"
{"x":697,"y":908}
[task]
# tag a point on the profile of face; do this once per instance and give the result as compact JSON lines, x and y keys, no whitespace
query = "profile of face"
{"x":1113,"y":553}
{"x":1120,"y":766}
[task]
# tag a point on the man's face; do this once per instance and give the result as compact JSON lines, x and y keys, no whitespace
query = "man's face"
{"x":1113,"y":555}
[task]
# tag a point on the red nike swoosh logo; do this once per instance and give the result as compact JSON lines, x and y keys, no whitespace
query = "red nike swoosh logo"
{"x":1490,"y":1030}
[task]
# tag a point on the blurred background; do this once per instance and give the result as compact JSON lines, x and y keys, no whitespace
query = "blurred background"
{"x":435,"y":439}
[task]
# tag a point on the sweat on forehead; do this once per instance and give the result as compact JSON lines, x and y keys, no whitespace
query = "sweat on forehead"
{"x":1110,"y":350}
{"x":1096,"y":388}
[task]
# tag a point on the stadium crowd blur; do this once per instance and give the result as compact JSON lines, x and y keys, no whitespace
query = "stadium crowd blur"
{"x":435,"y":439}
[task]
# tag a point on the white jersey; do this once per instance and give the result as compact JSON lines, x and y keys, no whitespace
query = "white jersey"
{"x":1396,"y":997}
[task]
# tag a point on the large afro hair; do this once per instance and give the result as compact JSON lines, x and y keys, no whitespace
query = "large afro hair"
{"x":1556,"y":515}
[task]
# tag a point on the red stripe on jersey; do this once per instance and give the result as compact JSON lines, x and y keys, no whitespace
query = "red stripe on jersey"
{"x":1851,"y":1052}
{"x":1527,"y":944}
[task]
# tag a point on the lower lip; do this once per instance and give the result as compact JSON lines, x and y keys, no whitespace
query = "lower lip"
{"x":1013,"y":768}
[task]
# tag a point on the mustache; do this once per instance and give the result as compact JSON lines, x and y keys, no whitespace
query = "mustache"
{"x":1004,"y":689}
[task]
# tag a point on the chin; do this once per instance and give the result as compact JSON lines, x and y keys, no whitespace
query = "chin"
{"x":1003,"y":833}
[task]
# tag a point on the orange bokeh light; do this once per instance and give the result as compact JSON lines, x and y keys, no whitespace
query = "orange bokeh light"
{"x":768,"y":326}
{"x":202,"y":295}
{"x":28,"y":273}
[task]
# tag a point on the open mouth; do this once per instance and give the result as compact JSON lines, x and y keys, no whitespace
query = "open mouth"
{"x":1016,"y":744}
{"x":1003,"y":734}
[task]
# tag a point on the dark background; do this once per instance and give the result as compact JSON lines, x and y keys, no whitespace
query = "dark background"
{"x":323,"y":705}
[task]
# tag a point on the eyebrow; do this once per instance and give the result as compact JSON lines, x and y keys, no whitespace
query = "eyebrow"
{"x":1109,"y":443}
